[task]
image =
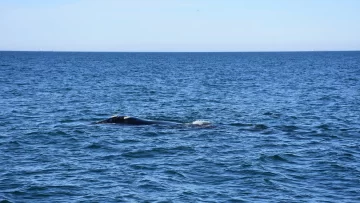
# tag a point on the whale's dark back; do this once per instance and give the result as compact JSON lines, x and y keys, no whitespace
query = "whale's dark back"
{"x":137,"y":121}
{"x":134,"y":121}
{"x":114,"y":119}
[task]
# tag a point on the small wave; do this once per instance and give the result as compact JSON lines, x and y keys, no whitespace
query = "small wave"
{"x":4,"y":200}
{"x":67,"y":121}
{"x":259,"y":127}
{"x":138,"y":166}
{"x":94,"y":146}
{"x":251,"y":127}
{"x":173,"y":172}
{"x":241,"y":124}
{"x":153,"y":152}
{"x":128,"y":141}
{"x":151,"y":184}
{"x":287,"y":157}
{"x":324,"y":127}
{"x":288,"y":128}
{"x":272,"y":114}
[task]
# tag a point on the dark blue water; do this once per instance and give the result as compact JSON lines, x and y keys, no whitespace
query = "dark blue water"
{"x":285,"y":127}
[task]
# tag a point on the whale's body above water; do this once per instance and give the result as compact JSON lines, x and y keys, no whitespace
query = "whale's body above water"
{"x":135,"y":121}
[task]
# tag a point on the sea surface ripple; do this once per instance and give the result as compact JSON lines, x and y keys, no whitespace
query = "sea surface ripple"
{"x":285,"y":127}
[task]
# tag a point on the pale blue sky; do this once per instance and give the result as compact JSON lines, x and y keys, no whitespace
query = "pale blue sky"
{"x":179,"y":25}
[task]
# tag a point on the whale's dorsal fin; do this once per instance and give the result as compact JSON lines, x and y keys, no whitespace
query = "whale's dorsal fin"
{"x":114,"y":116}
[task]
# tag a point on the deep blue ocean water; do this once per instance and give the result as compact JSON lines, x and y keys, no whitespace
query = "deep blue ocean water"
{"x":285,"y":127}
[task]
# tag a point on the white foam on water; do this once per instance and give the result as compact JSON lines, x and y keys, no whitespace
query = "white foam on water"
{"x":201,"y":122}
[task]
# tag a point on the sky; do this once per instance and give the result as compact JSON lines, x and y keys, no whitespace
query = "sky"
{"x":179,"y":25}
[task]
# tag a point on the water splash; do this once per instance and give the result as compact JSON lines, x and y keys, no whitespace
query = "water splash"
{"x":201,"y":123}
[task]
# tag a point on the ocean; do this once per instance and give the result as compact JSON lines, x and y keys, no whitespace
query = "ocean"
{"x":284,"y":127}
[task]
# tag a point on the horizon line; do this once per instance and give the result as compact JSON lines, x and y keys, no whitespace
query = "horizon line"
{"x":124,"y":51}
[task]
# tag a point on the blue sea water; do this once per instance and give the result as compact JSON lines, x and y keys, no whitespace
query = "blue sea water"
{"x":285,"y":127}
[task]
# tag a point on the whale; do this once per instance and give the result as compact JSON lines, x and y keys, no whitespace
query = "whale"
{"x":128,"y":120}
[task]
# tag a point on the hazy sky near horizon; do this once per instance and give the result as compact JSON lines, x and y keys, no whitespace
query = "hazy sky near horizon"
{"x":179,"y":25}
